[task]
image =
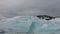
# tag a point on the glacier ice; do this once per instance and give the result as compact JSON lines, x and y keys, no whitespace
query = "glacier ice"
{"x":29,"y":24}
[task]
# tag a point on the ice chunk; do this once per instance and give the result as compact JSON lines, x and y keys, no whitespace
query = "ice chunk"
{"x":29,"y":24}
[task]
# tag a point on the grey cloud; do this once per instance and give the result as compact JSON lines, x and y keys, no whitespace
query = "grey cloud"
{"x":11,"y":8}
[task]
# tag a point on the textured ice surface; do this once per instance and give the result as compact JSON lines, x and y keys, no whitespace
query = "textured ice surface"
{"x":30,"y":24}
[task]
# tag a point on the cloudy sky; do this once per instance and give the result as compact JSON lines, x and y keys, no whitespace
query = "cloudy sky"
{"x":11,"y":8}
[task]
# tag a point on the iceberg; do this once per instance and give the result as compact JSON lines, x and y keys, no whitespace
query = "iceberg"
{"x":30,"y":24}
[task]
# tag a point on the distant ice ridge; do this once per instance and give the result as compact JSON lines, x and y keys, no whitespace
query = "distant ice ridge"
{"x":29,"y":24}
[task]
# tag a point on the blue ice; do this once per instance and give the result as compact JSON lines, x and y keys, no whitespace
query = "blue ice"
{"x":29,"y":24}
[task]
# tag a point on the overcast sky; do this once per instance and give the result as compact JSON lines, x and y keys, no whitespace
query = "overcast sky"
{"x":11,"y":8}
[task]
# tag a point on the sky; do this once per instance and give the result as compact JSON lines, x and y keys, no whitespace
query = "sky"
{"x":12,"y":8}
